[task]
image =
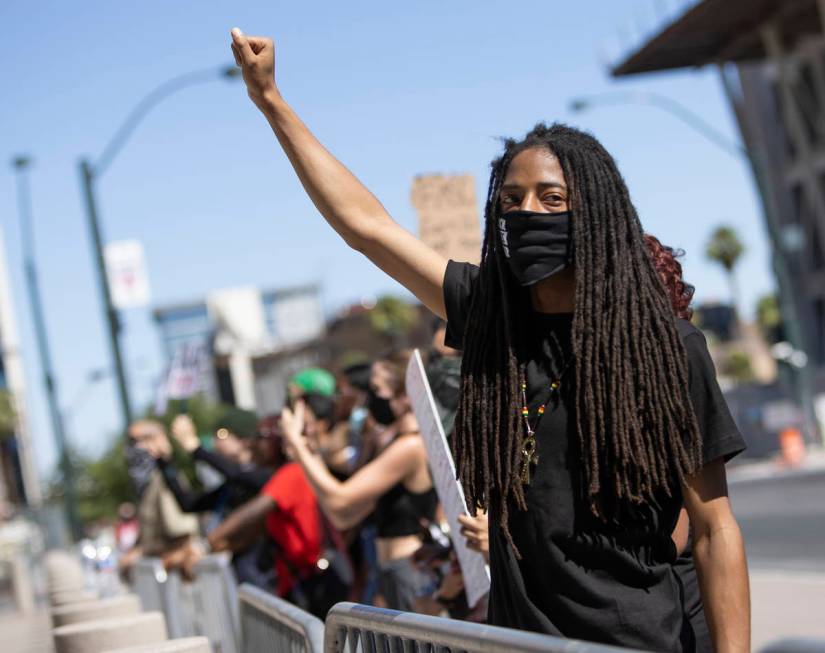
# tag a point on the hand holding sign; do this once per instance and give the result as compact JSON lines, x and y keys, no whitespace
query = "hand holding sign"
{"x":473,"y":567}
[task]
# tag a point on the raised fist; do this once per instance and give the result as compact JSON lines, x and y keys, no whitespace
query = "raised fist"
{"x":185,"y":433}
{"x":256,"y":57}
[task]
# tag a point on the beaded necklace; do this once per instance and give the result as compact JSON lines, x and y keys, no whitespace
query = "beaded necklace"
{"x":528,"y":444}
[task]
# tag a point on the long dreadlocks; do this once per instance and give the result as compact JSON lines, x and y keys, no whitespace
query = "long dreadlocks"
{"x":636,"y":430}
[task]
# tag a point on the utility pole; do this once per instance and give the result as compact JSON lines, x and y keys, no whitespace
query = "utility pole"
{"x":21,"y":165}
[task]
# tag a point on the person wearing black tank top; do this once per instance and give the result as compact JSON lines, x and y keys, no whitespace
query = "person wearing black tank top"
{"x":395,"y":486}
{"x":589,"y":414}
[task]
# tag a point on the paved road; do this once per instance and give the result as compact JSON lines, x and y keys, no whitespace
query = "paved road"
{"x":783,"y":520}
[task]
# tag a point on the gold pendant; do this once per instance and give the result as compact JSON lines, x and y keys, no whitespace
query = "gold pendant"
{"x":528,"y":457}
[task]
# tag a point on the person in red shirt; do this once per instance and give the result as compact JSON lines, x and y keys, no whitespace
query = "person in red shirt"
{"x":293,"y":523}
{"x":287,"y":511}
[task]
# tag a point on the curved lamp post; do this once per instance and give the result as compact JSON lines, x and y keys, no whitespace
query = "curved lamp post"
{"x":90,"y":172}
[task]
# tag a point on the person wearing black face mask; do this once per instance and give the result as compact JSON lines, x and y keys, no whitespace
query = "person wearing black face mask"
{"x":536,"y":245}
{"x":380,"y":408}
{"x":395,"y":486}
{"x":589,"y":413}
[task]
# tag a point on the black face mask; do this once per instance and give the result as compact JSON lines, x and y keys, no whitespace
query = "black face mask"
{"x":380,"y":408}
{"x":140,"y":466}
{"x":536,"y":245}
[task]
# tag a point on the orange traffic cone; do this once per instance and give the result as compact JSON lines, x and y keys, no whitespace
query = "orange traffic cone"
{"x":792,"y":447}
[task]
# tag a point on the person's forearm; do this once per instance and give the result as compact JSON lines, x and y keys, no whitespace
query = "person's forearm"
{"x":331,"y":492}
{"x":219,"y":538}
{"x":249,"y":516}
{"x":320,"y":478}
{"x":349,"y":207}
{"x":253,"y":478}
{"x":187,"y":501}
{"x":723,"y":576}
{"x":226,"y":467}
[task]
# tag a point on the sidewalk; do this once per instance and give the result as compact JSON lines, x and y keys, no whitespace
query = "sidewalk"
{"x":25,"y":633}
{"x":813,"y":463}
{"x":786,"y":604}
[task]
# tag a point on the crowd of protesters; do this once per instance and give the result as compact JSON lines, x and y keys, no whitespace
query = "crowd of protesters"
{"x":331,"y":499}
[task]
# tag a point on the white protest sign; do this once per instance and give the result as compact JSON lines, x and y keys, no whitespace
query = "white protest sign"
{"x":126,"y":272}
{"x":475,"y":571}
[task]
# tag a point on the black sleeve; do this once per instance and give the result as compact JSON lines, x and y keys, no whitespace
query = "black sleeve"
{"x":187,"y":500}
{"x":250,"y":477}
{"x":458,"y":285}
{"x":720,"y":435}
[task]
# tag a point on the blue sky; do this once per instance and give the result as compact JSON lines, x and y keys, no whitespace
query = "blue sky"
{"x":393,"y":89}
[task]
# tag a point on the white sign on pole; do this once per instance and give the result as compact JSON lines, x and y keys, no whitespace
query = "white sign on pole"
{"x":475,"y":571}
{"x":126,"y":272}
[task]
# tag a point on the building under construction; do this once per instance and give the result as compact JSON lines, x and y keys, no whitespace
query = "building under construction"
{"x":771,"y":56}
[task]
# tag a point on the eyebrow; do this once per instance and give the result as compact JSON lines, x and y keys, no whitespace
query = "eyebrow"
{"x":543,"y":184}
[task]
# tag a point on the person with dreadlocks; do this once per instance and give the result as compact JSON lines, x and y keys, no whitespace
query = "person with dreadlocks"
{"x":589,"y":414}
{"x":476,"y":531}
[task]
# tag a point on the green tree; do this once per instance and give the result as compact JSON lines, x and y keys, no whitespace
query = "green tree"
{"x":101,"y":484}
{"x":393,"y":317}
{"x":8,"y":416}
{"x":769,"y":318}
{"x":737,"y":366}
{"x":725,"y":248}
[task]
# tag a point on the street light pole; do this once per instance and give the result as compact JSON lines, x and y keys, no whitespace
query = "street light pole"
{"x":21,"y":165}
{"x":804,"y":382}
{"x":90,"y":172}
{"x":671,"y":106}
{"x":109,"y":311}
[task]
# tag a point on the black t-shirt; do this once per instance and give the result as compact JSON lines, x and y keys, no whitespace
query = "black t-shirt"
{"x":578,"y":577}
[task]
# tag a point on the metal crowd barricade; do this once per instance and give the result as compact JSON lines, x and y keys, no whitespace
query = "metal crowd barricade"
{"x":351,"y":627}
{"x":162,"y":591}
{"x":215,"y":599}
{"x":272,"y":625}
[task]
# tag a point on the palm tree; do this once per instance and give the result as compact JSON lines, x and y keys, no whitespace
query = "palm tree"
{"x":725,"y":248}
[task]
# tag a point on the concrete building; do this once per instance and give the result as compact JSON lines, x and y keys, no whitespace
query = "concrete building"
{"x":210,"y":345}
{"x":771,"y":58}
{"x":19,"y":481}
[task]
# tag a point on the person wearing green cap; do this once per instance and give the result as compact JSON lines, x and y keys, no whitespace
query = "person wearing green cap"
{"x":312,"y":380}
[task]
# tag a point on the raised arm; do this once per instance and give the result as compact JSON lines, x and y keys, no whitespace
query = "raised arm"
{"x":349,"y":208}
{"x":188,"y":501}
{"x":347,"y":503}
{"x":186,"y":435}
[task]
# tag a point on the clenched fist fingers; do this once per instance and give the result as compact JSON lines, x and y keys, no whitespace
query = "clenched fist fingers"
{"x":256,"y":57}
